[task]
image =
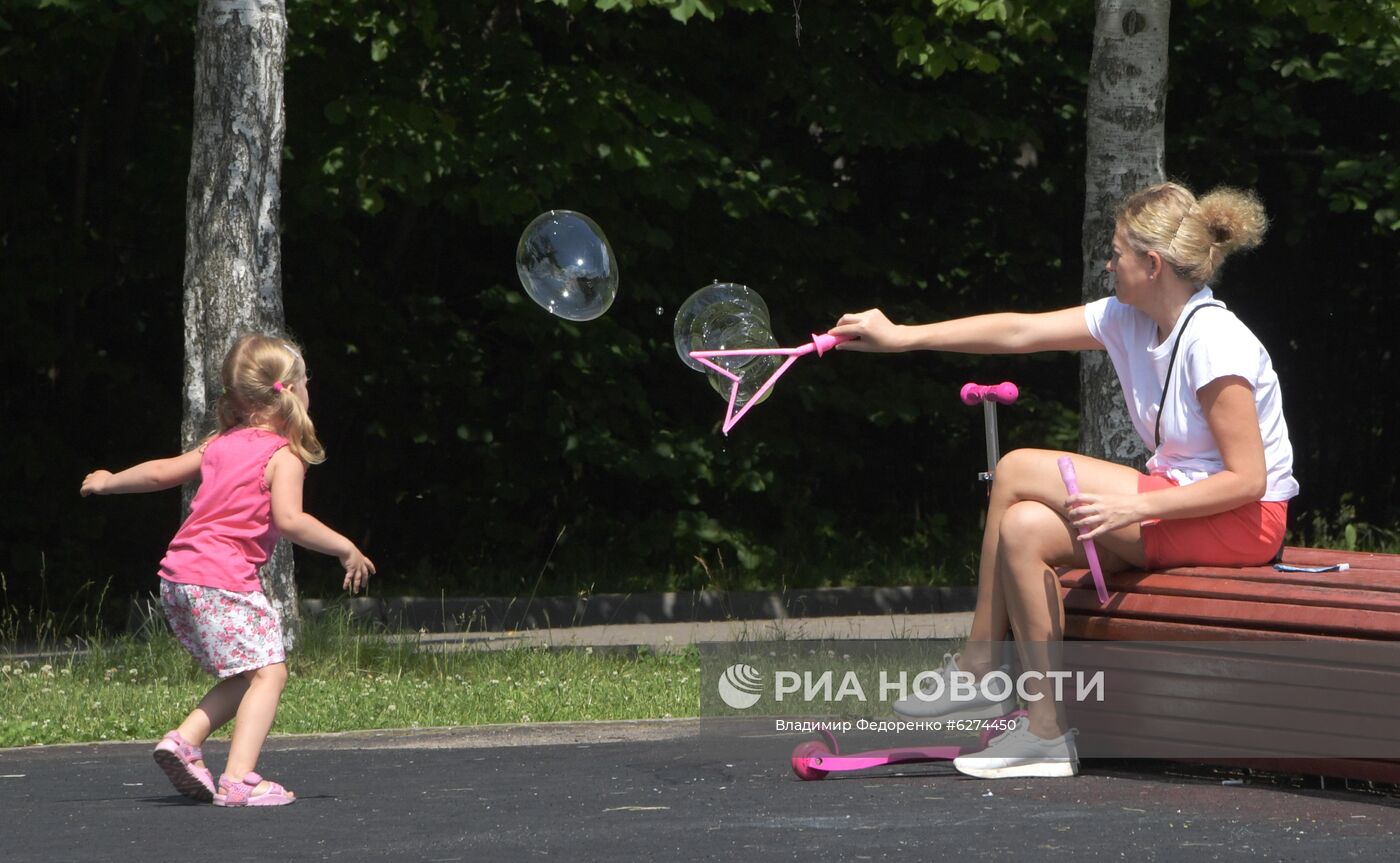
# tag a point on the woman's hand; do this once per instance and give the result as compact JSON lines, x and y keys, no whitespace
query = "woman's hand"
{"x":95,"y":483}
{"x":870,"y":331}
{"x":1094,"y":515}
{"x":358,"y":569}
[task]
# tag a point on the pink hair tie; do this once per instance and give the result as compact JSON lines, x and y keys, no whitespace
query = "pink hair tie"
{"x":277,"y":386}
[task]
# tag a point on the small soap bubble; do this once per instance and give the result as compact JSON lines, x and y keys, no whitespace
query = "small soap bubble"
{"x":566,"y":265}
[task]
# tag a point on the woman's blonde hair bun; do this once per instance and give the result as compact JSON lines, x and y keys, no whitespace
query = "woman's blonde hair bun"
{"x":1193,"y":235}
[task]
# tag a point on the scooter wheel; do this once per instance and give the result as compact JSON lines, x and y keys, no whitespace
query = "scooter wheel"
{"x":805,"y":758}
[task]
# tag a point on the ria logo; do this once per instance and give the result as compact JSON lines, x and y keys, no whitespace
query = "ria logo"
{"x":740,"y":686}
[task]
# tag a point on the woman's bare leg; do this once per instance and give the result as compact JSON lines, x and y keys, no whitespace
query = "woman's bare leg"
{"x":1034,"y":475}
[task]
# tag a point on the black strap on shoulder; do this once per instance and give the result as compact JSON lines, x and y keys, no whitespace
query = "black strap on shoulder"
{"x":1171,"y":363}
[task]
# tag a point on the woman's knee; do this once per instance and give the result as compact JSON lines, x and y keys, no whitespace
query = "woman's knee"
{"x":1032,"y":529}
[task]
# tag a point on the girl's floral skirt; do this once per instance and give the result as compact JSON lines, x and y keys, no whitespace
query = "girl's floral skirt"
{"x":226,"y":631}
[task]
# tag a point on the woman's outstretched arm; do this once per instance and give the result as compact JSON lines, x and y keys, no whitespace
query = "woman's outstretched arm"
{"x":1001,"y":333}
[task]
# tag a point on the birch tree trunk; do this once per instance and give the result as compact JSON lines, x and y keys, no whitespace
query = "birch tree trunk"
{"x":233,"y":256}
{"x":1126,"y":118}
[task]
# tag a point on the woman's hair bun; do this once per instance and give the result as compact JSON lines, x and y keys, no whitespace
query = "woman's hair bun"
{"x":1234,"y":218}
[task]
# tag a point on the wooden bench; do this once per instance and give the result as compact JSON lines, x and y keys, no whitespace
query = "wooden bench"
{"x":1352,"y":613}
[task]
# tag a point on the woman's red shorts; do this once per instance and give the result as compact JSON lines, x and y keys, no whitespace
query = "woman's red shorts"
{"x":1248,"y":535}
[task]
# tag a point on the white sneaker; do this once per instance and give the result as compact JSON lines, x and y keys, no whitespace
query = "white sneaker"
{"x":937,"y":701}
{"x":1018,"y":753}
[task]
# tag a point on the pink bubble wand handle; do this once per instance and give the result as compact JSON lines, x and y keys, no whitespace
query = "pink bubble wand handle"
{"x":820,"y":344}
{"x":1072,"y":486}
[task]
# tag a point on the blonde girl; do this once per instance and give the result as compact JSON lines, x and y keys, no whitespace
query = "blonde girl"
{"x":1203,"y":395}
{"x":250,"y":493}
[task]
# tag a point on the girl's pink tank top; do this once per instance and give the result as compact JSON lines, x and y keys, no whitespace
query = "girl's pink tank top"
{"x":229,"y":533}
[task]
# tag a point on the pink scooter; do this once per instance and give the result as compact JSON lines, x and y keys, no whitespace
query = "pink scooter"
{"x":814,"y":759}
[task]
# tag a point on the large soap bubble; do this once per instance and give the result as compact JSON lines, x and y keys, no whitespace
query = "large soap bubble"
{"x":717,"y":310}
{"x":726,"y":316}
{"x":566,"y":265}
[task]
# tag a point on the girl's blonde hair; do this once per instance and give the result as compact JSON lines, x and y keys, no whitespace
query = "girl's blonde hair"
{"x":256,"y":374}
{"x":1193,"y":235}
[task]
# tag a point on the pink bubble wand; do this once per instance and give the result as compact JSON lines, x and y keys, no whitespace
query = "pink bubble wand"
{"x":821,"y":343}
{"x":1072,"y":486}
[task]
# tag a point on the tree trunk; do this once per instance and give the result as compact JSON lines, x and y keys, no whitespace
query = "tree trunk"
{"x":233,"y":256}
{"x":1126,"y":117}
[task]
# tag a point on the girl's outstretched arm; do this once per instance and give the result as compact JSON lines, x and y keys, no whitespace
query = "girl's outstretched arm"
{"x":285,"y":474}
{"x":155,"y":475}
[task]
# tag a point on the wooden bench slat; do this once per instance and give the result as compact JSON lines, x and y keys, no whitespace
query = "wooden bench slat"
{"x":1380,"y":625}
{"x":1372,"y":714}
{"x":1144,"y":735}
{"x":1326,"y":557}
{"x":1354,"y":579}
{"x":1345,"y":674}
{"x":1126,"y":629}
{"x":1178,"y":584}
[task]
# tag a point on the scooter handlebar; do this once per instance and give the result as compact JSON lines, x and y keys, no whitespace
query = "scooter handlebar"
{"x":1004,"y":393}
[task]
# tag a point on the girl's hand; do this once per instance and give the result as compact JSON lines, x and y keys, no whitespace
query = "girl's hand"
{"x":95,"y":483}
{"x":358,"y":569}
{"x":1096,"y":514}
{"x":869,"y":331}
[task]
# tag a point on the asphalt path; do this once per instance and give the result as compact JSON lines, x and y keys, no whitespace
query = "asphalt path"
{"x":665,"y":790}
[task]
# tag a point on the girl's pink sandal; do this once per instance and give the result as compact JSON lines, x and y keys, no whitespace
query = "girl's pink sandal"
{"x":235,"y":793}
{"x":177,"y":758}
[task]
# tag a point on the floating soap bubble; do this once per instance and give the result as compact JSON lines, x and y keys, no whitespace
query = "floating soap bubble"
{"x":712,"y":312}
{"x":566,"y":265}
{"x":724,"y":331}
{"x":721,"y":317}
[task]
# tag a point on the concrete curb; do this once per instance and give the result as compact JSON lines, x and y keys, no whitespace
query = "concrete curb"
{"x":504,"y":614}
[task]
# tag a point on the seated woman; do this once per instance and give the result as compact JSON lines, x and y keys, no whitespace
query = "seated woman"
{"x":1203,"y":395}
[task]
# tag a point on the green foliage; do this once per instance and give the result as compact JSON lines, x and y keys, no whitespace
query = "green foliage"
{"x":1341,"y":529}
{"x":921,"y":156}
{"x":979,"y":35}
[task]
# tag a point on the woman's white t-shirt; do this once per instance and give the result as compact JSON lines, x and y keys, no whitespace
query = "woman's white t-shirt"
{"x":1215,"y":345}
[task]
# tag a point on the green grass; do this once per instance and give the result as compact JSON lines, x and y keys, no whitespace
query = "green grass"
{"x":342,"y":678}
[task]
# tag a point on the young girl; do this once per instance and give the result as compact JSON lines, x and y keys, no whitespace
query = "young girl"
{"x":250,"y":475}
